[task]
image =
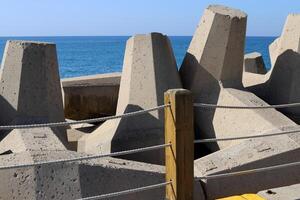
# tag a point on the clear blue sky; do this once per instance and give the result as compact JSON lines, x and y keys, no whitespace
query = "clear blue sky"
{"x":128,"y":17}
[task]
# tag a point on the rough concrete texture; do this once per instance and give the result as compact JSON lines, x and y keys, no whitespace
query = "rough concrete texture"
{"x":216,"y":50}
{"x":280,"y":86}
{"x":212,"y":70}
{"x":251,"y":154}
{"x":283,"y":84}
{"x":289,"y":39}
{"x":71,"y":181}
{"x":253,"y":80}
{"x":273,"y":47}
{"x":291,"y":192}
{"x":149,"y":70}
{"x":30,"y":83}
{"x":91,"y":96}
{"x":214,"y":59}
{"x":30,"y":90}
{"x":222,"y":123}
{"x":21,"y":140}
{"x":254,"y":63}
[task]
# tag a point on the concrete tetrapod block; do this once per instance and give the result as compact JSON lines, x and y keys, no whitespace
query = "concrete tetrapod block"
{"x":254,"y":63}
{"x":290,"y":192}
{"x":30,"y":85}
{"x":212,"y":70}
{"x":216,"y":51}
{"x":283,"y":84}
{"x":222,"y":123}
{"x":289,"y":39}
{"x":91,"y":96}
{"x":22,"y":140}
{"x":76,"y":180}
{"x":273,"y":47}
{"x":251,"y":154}
{"x":149,"y":70}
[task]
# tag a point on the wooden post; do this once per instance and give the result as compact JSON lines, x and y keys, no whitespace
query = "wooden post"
{"x":179,"y":132}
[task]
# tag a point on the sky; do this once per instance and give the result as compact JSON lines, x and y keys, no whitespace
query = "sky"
{"x":129,"y":17}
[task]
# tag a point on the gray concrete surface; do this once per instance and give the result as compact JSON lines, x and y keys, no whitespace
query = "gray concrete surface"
{"x":30,"y":83}
{"x":30,"y":90}
{"x":91,"y":96}
{"x":71,"y":181}
{"x":212,"y":70}
{"x":289,"y":39}
{"x":149,"y":70}
{"x":251,"y":154}
{"x":291,"y":192}
{"x":254,"y":63}
{"x":283,"y":84}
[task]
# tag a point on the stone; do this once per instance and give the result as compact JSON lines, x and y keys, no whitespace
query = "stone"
{"x":289,"y":39}
{"x":247,"y":155}
{"x":30,"y":90}
{"x":254,"y":63}
{"x":92,"y":96}
{"x":149,"y":70}
{"x":290,"y":192}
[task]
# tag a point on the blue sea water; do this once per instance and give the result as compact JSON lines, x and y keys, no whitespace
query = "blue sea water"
{"x":103,"y":54}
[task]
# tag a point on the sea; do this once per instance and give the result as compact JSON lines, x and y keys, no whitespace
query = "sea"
{"x":88,"y":55}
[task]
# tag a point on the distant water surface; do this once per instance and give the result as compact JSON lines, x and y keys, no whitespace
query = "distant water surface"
{"x":88,"y":55}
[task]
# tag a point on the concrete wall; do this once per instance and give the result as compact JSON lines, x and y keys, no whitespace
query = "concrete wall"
{"x":91,"y":96}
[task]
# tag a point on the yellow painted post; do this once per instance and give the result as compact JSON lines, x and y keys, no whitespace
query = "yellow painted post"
{"x":179,"y":132}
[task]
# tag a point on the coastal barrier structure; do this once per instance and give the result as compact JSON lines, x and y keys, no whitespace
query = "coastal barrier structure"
{"x":149,"y":148}
{"x":149,"y":70}
{"x":254,"y":63}
{"x":274,"y":87}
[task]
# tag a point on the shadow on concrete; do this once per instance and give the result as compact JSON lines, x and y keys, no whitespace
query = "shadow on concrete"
{"x":113,"y":179}
{"x":137,"y":132}
{"x":283,"y":85}
{"x":205,"y":90}
{"x":5,"y":108}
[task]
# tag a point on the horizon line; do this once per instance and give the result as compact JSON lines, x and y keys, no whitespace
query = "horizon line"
{"x":115,"y":36}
